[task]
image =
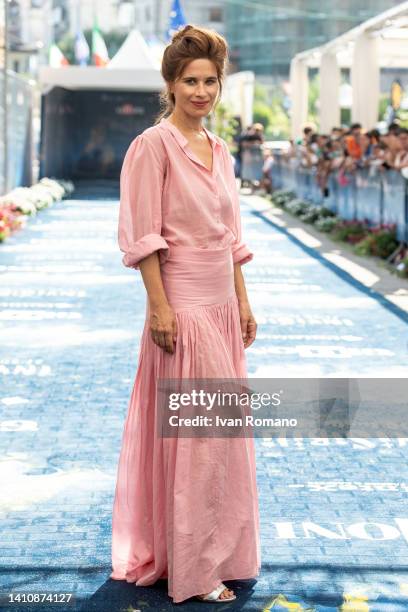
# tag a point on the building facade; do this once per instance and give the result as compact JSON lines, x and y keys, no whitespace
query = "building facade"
{"x":264,"y":36}
{"x":206,"y":13}
{"x":150,"y":17}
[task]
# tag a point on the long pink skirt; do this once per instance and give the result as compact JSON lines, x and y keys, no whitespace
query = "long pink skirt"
{"x":186,"y":509}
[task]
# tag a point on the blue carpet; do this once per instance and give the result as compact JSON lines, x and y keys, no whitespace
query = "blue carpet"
{"x":333,"y":512}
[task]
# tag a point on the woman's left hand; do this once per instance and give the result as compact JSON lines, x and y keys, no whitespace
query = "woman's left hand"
{"x":248,"y":323}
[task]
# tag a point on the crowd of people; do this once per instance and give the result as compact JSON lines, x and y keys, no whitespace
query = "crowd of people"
{"x":343,"y":151}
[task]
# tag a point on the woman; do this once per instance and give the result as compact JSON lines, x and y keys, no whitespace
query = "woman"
{"x":185,"y":509}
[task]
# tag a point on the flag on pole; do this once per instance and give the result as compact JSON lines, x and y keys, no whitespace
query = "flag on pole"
{"x":56,"y":58}
{"x":99,"y":51}
{"x":177,"y":19}
{"x":81,"y":49}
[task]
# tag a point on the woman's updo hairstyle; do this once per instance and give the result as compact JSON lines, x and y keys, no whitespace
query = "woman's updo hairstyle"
{"x":188,"y":44}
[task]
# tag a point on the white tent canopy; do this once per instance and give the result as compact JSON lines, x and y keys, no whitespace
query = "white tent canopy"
{"x":156,"y":47}
{"x":379,"y":42}
{"x":93,"y":77}
{"x":134,"y":67}
{"x":135,"y":54}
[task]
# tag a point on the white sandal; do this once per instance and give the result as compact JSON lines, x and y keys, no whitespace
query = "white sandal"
{"x":213,"y":597}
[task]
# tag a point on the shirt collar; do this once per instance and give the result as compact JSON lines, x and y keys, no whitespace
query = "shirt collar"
{"x":181,"y":139}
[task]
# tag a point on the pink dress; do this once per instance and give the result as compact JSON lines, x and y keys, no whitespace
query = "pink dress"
{"x":185,"y":509}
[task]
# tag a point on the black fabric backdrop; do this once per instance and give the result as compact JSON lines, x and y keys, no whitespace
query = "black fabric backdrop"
{"x":85,"y":133}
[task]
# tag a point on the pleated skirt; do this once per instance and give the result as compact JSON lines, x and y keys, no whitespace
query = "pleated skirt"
{"x":186,"y":509}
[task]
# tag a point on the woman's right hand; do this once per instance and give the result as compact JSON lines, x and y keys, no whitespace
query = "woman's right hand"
{"x":163,"y":327}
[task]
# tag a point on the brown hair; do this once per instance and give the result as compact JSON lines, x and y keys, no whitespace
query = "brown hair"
{"x":188,"y":44}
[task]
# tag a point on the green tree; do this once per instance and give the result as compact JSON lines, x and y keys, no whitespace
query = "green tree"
{"x":260,"y":93}
{"x":222,"y":122}
{"x":383,"y":105}
{"x":279,"y":124}
{"x":402,"y":116}
{"x":269,"y":109}
{"x":262,"y":113}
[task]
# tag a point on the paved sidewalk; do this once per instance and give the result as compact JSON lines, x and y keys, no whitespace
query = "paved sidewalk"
{"x":334,"y":517}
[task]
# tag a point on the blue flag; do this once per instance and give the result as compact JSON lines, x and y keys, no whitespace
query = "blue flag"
{"x":177,"y":19}
{"x":81,"y":49}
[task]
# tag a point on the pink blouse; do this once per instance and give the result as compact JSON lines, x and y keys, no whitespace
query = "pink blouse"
{"x":168,"y":197}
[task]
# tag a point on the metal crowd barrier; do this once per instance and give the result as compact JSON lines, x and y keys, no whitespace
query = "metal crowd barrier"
{"x":377,"y":196}
{"x":251,"y":163}
{"x":16,"y":141}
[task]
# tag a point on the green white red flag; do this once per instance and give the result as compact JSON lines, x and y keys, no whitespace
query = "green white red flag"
{"x":99,"y":51}
{"x":56,"y":58}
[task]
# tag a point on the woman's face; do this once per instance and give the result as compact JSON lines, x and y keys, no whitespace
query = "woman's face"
{"x":197,"y":83}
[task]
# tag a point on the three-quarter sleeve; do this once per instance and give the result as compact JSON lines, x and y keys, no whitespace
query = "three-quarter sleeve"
{"x":140,"y":209}
{"x":240,"y":252}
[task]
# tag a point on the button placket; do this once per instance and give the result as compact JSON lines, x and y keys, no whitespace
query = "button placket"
{"x":217,"y":203}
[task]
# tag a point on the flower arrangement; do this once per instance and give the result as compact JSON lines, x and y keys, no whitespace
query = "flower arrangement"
{"x":10,"y":221}
{"x":380,"y":240}
{"x":311,"y":215}
{"x":296,"y":207}
{"x":350,"y":231}
{"x":23,"y":202}
{"x":327,"y":224}
{"x":281,"y":196}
